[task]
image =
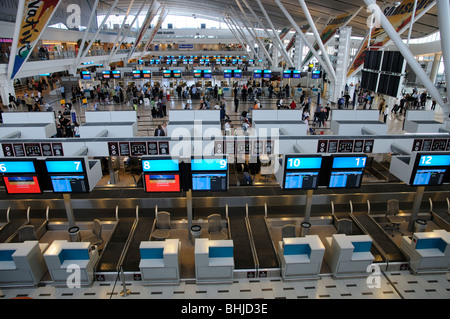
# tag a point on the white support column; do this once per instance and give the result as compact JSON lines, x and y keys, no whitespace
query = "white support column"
{"x":318,"y":39}
{"x":85,"y":52}
{"x":235,"y":34}
{"x":275,"y":43}
{"x":242,"y":34}
{"x":277,"y":37}
{"x":443,"y":7}
{"x":409,"y":57}
{"x":83,"y":41}
{"x":116,"y":45}
{"x":342,"y":62}
{"x":253,"y":33}
{"x":6,"y":88}
{"x":126,"y":32}
{"x":300,"y":33}
{"x":298,"y":54}
{"x":435,"y":66}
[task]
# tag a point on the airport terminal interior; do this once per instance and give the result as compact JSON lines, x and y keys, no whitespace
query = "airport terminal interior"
{"x":233,"y":149}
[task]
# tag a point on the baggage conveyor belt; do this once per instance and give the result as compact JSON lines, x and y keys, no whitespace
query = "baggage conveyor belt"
{"x":113,"y":249}
{"x":142,"y":233}
{"x":265,"y":251}
{"x":391,"y":251}
{"x":243,"y":256}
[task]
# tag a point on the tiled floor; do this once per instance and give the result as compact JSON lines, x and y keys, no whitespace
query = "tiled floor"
{"x":392,"y":285}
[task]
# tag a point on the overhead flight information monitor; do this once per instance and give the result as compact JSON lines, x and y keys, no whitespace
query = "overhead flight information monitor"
{"x":347,"y":171}
{"x":302,"y":172}
{"x":68,"y":175}
{"x":430,"y":169}
{"x":161,"y":175}
{"x":20,"y":177}
{"x":209,"y":174}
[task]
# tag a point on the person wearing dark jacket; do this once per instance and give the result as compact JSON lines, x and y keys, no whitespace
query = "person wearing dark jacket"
{"x":159,"y":131}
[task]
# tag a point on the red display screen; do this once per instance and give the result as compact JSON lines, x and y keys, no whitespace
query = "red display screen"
{"x":162,"y":183}
{"x":22,"y":184}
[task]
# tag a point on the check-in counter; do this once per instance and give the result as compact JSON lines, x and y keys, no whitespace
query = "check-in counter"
{"x":288,"y":122}
{"x":64,"y":258}
{"x":115,"y":124}
{"x":351,"y":122}
{"x":214,"y":260}
{"x":160,"y":261}
{"x":301,"y":257}
{"x":194,"y":123}
{"x":22,"y":264}
{"x":31,"y":125}
{"x":348,"y":255}
{"x":428,"y":251}
{"x":421,"y":121}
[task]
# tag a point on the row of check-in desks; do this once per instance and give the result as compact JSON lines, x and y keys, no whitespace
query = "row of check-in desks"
{"x":254,"y":245}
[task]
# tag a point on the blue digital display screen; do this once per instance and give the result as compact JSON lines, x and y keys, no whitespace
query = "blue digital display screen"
{"x":301,"y":180}
{"x":349,"y":162}
{"x":345,"y":179}
{"x":207,"y":74}
{"x":303,"y":162}
{"x":237,"y":73}
{"x":209,"y":164}
{"x":257,"y":74}
{"x":227,"y":73}
{"x":434,"y":160}
{"x":160,"y":165}
{"x":267,"y":74}
{"x":64,"y":166}
{"x":287,"y":74}
{"x":315,"y":75}
{"x":296,"y":74}
{"x":425,"y":177}
{"x":69,"y":184}
{"x":17,"y":167}
{"x":209,"y":182}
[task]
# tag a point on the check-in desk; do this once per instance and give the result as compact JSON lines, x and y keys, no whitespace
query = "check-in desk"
{"x":160,"y":261}
{"x":301,"y":257}
{"x":421,"y":121}
{"x":194,"y":123}
{"x":31,"y":125}
{"x":22,"y":264}
{"x":351,"y":122}
{"x":428,"y":251}
{"x":348,"y":256}
{"x":115,"y":124}
{"x":288,"y":122}
{"x":65,"y":258}
{"x":214,"y":260}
